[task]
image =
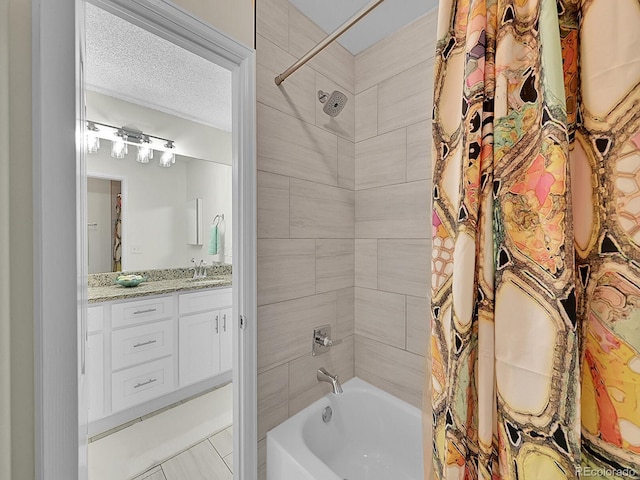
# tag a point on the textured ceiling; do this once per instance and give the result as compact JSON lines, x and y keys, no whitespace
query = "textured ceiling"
{"x":386,"y":18}
{"x":129,"y":63}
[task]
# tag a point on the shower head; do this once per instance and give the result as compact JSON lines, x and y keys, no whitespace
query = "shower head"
{"x":333,"y":103}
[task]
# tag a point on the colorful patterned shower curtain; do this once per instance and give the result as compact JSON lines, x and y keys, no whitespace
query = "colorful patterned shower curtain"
{"x":535,"y":313}
{"x":117,"y":236}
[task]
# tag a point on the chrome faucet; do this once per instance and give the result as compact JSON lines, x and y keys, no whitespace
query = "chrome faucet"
{"x":199,"y":270}
{"x":324,"y":376}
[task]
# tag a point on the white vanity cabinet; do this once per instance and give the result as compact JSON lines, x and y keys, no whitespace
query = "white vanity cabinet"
{"x":202,"y":327}
{"x":226,"y":339}
{"x":95,"y":361}
{"x":149,"y":352}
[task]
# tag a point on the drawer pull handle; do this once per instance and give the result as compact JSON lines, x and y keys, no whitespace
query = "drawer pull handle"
{"x":224,"y":322}
{"x":217,"y":329}
{"x":148,"y":310}
{"x":151,"y":380}
{"x":150,"y":342}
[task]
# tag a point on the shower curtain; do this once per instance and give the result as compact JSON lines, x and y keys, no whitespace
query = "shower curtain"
{"x":117,"y":236}
{"x":535,"y":314}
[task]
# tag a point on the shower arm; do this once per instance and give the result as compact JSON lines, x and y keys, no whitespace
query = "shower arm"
{"x":327,"y":41}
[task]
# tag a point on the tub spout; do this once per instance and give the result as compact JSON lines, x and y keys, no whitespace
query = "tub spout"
{"x":324,"y":376}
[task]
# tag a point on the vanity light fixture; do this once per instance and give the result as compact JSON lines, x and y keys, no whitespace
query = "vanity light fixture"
{"x":122,"y":137}
{"x":168,"y":157}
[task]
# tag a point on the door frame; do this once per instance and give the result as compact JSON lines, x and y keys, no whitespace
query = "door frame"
{"x":59,"y":278}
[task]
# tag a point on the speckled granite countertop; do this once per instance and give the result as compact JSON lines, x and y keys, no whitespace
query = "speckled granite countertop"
{"x":102,"y":286}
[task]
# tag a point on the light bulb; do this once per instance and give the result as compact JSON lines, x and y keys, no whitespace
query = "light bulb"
{"x":93,"y":141}
{"x":119,"y":146}
{"x":145,"y":153}
{"x":168,"y":158}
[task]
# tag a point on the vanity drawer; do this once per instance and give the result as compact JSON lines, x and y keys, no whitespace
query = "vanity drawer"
{"x":95,"y":319}
{"x":130,"y":313}
{"x":203,"y":301}
{"x":142,"y":383}
{"x":141,"y":344}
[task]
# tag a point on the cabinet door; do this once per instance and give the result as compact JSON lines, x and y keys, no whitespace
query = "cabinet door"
{"x":95,"y":375}
{"x":226,"y":339}
{"x":199,"y":347}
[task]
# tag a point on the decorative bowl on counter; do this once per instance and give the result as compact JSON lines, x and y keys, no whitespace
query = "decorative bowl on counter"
{"x":130,"y":280}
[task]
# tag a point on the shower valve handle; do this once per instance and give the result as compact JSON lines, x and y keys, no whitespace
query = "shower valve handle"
{"x":325,"y":341}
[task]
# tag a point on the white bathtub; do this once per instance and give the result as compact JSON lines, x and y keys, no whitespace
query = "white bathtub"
{"x":371,"y":436}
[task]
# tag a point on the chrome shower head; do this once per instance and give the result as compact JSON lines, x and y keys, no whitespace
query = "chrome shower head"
{"x":333,"y":103}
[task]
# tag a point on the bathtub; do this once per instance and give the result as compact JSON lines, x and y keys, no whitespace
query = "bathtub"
{"x":371,"y":436}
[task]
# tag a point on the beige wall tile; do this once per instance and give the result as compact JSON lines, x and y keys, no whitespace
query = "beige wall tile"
{"x":273,"y":398}
{"x":304,"y":388}
{"x":382,"y":160}
{"x":342,"y":125}
{"x":296,"y":96}
{"x":346,"y":313}
{"x":273,"y":205}
{"x":381,"y":316}
{"x":418,"y":321}
{"x":262,"y":459}
{"x":285,"y":329}
{"x":287,"y":146}
{"x":409,"y":46}
{"x":367,"y":114}
{"x":272,"y":21}
{"x":366,"y":269}
{"x":286,"y":269}
{"x":392,"y":369}
{"x":346,"y":164}
{"x":397,"y":211}
{"x":320,"y":211}
{"x":405,"y":98}
{"x":335,"y":260}
{"x":419,"y":151}
{"x":334,"y":62}
{"x":403,"y":266}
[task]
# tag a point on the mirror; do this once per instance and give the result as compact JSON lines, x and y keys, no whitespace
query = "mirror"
{"x":155,"y":221}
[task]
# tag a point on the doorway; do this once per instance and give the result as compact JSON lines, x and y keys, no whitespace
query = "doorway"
{"x":59,"y":451}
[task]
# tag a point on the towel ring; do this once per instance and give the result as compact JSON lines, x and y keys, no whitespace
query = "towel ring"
{"x":219,"y":218}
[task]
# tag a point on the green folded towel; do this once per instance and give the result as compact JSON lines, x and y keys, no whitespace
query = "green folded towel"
{"x":214,"y":240}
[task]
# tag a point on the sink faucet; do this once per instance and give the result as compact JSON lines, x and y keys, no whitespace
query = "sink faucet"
{"x":199,"y":270}
{"x":324,"y":376}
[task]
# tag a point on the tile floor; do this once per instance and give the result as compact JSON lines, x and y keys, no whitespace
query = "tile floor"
{"x":192,"y":441}
{"x":211,"y":459}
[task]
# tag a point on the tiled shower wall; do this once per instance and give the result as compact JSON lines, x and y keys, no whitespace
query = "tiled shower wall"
{"x":342,"y":202}
{"x":306,"y":208}
{"x":394,"y":89}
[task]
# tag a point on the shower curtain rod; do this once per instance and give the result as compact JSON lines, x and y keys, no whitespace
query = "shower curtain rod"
{"x":328,"y":40}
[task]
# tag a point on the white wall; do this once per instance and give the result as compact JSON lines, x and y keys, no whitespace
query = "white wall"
{"x":192,"y":139}
{"x":212,"y":182}
{"x":153,"y":209}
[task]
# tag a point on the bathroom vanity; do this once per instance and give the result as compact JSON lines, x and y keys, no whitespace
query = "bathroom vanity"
{"x":151,"y":346}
